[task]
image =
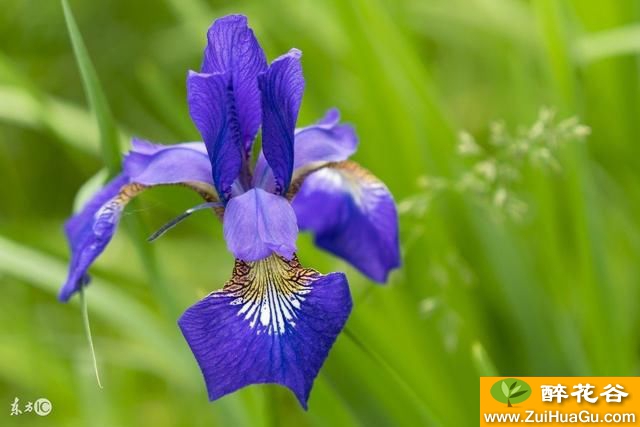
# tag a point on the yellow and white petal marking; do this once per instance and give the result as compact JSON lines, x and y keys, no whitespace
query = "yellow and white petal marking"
{"x":355,"y":180}
{"x":269,"y":292}
{"x":352,"y":215}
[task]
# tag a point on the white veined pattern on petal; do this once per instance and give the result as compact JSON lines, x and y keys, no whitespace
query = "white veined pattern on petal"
{"x":366,"y":191}
{"x":269,"y":292}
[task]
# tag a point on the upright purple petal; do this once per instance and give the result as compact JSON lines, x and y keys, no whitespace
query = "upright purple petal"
{"x":258,"y":223}
{"x":323,"y":142}
{"x":90,"y":230}
{"x":281,"y":87}
{"x":353,"y":215}
{"x":142,"y":146}
{"x":274,"y":322}
{"x":153,"y":164}
{"x":233,"y":49}
{"x":212,"y":109}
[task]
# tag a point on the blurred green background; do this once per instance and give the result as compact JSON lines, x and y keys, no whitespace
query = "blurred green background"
{"x":551,"y":291}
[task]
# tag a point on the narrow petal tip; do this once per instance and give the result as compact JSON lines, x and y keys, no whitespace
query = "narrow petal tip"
{"x":295,"y":53}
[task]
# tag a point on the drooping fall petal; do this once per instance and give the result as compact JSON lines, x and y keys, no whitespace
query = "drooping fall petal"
{"x":352,"y":215}
{"x":90,"y":230}
{"x":273,"y":322}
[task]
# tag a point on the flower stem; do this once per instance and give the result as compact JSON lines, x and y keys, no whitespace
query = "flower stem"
{"x":87,"y":331}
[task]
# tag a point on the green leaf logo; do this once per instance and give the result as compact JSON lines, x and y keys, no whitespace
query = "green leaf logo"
{"x":505,"y":389}
{"x":510,"y":391}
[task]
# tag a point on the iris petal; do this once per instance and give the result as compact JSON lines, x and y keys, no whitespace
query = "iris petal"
{"x":273,"y":322}
{"x":153,"y":164}
{"x":232,"y":48}
{"x":212,"y":109}
{"x":281,"y":87}
{"x":323,"y":142}
{"x":90,"y":230}
{"x":353,"y":215}
{"x":258,"y":223}
{"x":224,"y":99}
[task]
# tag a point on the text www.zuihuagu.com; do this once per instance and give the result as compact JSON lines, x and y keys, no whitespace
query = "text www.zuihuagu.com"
{"x":585,"y":417}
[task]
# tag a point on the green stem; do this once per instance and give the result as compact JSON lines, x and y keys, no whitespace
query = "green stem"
{"x":87,"y":330}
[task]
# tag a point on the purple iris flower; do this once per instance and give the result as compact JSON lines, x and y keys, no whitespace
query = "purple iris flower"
{"x":275,"y":320}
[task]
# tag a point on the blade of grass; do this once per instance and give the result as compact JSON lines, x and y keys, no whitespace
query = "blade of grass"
{"x":550,"y":18}
{"x":482,"y":361}
{"x":505,"y":20}
{"x":414,"y":396}
{"x":67,"y":122}
{"x":25,"y":105}
{"x":604,"y":44}
{"x":87,"y":329}
{"x":108,"y":130}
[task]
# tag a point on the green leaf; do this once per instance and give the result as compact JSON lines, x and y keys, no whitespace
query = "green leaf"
{"x":513,"y":385}
{"x":520,"y":393}
{"x":515,"y":390}
{"x":505,"y":389}
{"x":612,"y":42}
{"x":109,"y":137}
